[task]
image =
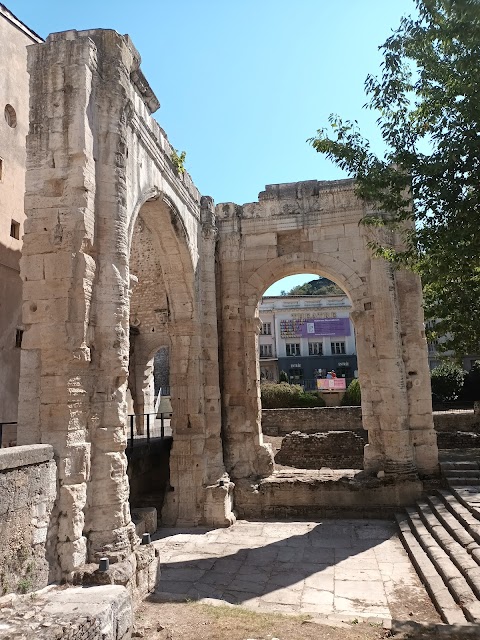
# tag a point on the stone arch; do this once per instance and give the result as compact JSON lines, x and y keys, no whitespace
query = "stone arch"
{"x":316,"y":227}
{"x":306,"y":262}
{"x":84,"y":194}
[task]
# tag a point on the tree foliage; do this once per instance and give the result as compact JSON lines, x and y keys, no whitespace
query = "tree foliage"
{"x":319,"y":287}
{"x":447,"y":382}
{"x":282,"y":395}
{"x":353,"y":395}
{"x":427,"y":100}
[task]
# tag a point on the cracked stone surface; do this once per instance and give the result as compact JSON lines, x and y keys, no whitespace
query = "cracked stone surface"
{"x":336,"y":568}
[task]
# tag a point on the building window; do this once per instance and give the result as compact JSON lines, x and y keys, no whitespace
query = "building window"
{"x":266,"y":329}
{"x":315,"y":349}
{"x":293,"y":348}
{"x":18,"y":338}
{"x":15,"y":230}
{"x":338,"y":348}
{"x":10,"y":116}
{"x":265,"y":350}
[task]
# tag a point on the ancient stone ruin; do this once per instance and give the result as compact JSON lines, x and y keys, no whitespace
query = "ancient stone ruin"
{"x":117,"y":236}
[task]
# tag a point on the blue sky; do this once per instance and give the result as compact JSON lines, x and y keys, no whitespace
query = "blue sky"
{"x":243,"y":84}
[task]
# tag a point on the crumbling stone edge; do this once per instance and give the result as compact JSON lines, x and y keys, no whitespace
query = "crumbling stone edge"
{"x":411,"y":630}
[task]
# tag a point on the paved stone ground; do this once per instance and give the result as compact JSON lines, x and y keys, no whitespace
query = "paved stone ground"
{"x":344,"y":569}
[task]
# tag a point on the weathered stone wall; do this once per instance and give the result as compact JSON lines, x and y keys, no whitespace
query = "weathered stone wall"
{"x":306,"y":495}
{"x":456,"y":421}
{"x":28,"y":488}
{"x":333,"y":449}
{"x":279,"y":422}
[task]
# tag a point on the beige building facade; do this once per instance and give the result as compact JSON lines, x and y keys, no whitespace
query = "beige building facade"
{"x":14,"y":92}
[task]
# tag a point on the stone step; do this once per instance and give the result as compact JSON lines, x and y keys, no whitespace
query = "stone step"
{"x":447,"y":570}
{"x":462,"y":473}
{"x":461,"y":514}
{"x":459,"y":555}
{"x":469,"y":496}
{"x":459,"y":464}
{"x":462,"y":482}
{"x":441,"y":597}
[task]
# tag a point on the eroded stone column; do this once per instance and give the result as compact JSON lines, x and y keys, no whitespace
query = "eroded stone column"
{"x":59,"y":269}
{"x":385,"y":405}
{"x":245,"y":454}
{"x":201,"y":491}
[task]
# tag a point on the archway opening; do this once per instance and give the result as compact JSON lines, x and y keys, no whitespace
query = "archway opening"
{"x":308,"y":374}
{"x":157,"y":255}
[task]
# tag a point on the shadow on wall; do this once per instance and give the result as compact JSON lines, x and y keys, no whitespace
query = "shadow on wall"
{"x":149,"y":473}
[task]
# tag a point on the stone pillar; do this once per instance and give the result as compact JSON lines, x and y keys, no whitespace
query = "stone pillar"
{"x":385,"y":403}
{"x":417,"y":373}
{"x":201,"y":491}
{"x":245,"y":454}
{"x":58,"y":270}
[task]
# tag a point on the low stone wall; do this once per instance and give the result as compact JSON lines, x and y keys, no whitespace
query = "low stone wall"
{"x":456,"y":421}
{"x":279,"y":422}
{"x":68,"y":614}
{"x":28,"y":487}
{"x":305,"y":494}
{"x":458,"y":440}
{"x":332,"y":449}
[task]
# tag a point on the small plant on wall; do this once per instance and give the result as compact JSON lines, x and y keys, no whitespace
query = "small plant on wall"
{"x":178,"y":160}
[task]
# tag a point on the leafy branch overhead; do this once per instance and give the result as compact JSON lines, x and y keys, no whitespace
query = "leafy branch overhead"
{"x":426,"y":185}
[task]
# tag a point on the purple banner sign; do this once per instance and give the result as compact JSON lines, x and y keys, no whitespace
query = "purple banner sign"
{"x":325,"y":327}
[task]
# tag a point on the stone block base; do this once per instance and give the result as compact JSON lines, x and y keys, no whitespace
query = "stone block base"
{"x":72,"y":614}
{"x":217,"y":507}
{"x":145,"y":519}
{"x":138,"y":573}
{"x":308,"y":494}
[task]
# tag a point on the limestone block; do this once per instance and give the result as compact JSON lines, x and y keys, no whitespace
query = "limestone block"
{"x":71,"y":502}
{"x":72,"y":554}
{"x":148,"y":515}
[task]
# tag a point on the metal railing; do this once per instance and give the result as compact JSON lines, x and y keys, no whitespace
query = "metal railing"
{"x":144,"y":427}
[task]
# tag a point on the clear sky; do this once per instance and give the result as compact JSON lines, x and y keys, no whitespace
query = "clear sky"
{"x":244,"y":83}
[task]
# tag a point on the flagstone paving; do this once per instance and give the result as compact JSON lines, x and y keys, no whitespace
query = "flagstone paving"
{"x":346,"y":569}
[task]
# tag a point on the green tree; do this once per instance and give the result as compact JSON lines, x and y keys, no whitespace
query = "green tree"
{"x":427,"y":100}
{"x":319,"y":287}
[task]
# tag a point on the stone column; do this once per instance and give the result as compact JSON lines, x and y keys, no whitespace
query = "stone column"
{"x":382,"y":373}
{"x":245,"y":454}
{"x":58,"y":270}
{"x":201,"y":491}
{"x":417,"y":373}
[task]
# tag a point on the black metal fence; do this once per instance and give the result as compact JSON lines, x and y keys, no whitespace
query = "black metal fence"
{"x":144,"y":427}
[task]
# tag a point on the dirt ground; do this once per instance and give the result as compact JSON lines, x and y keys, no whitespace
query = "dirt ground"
{"x":196,"y":621}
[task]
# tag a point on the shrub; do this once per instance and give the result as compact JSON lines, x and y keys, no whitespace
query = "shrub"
{"x":353,"y":395}
{"x":471,"y":385}
{"x":284,"y":395}
{"x":283,"y":376}
{"x":447,"y":382}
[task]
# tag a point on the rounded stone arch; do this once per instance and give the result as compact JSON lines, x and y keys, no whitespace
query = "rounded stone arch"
{"x":174,"y":248}
{"x":307,"y":262}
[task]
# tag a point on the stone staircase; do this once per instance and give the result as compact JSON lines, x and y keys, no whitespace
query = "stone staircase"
{"x":442,"y":537}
